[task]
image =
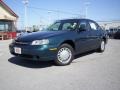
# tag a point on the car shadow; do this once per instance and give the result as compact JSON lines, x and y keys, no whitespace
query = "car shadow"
{"x":84,"y":54}
{"x":29,"y":63}
{"x":39,"y":64}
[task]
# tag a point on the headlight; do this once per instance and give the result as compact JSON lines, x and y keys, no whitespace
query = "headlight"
{"x":40,"y":42}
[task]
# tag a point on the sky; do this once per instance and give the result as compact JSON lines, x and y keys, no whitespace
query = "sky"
{"x":47,"y":11}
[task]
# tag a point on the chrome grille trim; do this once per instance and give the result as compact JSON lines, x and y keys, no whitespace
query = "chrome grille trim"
{"x":22,"y":43}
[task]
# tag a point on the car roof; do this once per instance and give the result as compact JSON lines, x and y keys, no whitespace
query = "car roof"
{"x":75,"y":19}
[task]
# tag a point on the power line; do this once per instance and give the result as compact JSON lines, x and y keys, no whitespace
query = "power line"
{"x":56,"y":11}
{"x":38,"y":15}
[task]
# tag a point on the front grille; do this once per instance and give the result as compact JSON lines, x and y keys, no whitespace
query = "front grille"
{"x":26,"y":56}
{"x":21,"y":43}
{"x":22,"y":55}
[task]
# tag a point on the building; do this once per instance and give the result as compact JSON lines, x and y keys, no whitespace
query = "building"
{"x":115,"y":24}
{"x":8,"y":21}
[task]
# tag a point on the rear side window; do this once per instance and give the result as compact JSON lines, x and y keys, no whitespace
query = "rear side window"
{"x":83,"y":25}
{"x":93,"y":26}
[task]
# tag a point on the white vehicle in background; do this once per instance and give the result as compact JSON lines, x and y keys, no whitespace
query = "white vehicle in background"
{"x":22,"y":32}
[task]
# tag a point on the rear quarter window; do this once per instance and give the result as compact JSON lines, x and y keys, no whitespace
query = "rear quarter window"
{"x":93,"y":26}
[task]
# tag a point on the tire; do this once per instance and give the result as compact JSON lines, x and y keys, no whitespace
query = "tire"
{"x":65,"y":55}
{"x":102,"y":46}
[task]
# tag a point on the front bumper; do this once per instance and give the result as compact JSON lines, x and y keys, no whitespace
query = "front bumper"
{"x":41,"y":52}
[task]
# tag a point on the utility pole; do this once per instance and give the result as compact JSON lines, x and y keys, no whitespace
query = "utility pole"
{"x":25,"y":2}
{"x":49,"y":12}
{"x":58,"y":14}
{"x":86,"y":8}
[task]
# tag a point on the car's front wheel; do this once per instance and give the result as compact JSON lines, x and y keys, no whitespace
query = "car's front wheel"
{"x":65,"y":55}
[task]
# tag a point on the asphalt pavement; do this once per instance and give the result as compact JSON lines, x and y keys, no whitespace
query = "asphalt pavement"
{"x":89,"y":71}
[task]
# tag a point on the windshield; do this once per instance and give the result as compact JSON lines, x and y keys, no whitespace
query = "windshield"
{"x":63,"y":25}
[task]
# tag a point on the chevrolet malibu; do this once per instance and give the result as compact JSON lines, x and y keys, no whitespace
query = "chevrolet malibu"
{"x":61,"y":41}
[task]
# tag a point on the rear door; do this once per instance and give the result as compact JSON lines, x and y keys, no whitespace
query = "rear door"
{"x":95,"y":34}
{"x":83,"y":37}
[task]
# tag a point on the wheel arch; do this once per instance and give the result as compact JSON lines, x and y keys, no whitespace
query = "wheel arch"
{"x":70,"y":42}
{"x":105,"y":39}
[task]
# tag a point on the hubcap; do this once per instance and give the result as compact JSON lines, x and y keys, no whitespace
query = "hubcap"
{"x":102,"y":45}
{"x":64,"y":55}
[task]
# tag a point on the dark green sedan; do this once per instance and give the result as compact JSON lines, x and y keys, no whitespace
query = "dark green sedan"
{"x":61,"y":41}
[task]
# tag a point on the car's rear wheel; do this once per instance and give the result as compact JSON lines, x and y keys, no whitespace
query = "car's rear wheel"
{"x":102,"y":46}
{"x":65,"y":55}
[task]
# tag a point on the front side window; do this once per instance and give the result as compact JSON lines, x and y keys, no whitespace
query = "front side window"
{"x":63,"y":25}
{"x":54,"y":27}
{"x":69,"y":26}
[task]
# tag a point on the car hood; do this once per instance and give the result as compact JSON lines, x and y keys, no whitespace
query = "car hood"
{"x":38,"y":35}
